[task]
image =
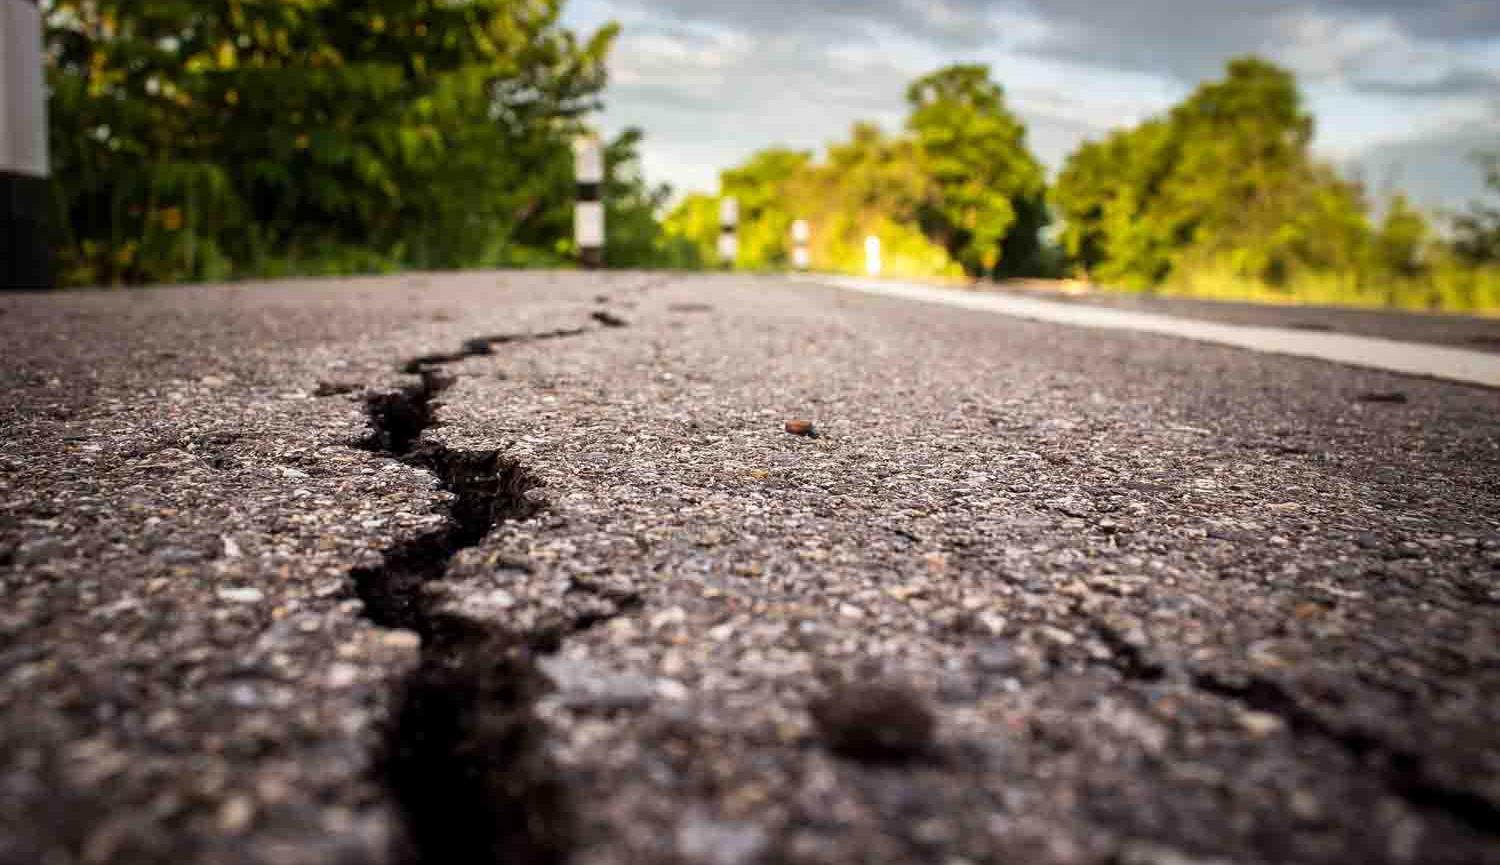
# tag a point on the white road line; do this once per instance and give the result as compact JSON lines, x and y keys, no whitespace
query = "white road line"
{"x":1411,"y":358}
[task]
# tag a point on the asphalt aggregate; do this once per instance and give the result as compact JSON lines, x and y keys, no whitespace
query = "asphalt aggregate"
{"x":717,"y":570}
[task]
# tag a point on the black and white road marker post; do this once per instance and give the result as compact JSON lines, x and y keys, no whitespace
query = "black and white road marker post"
{"x":588,"y":213}
{"x":729,"y":226}
{"x":800,"y":235}
{"x":24,"y":262}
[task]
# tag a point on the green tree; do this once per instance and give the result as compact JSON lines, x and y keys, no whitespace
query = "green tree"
{"x":762,"y":187}
{"x":634,"y":233}
{"x":692,"y":228}
{"x":1477,"y":230}
{"x":1225,"y":179}
{"x":1399,"y":246}
{"x":985,"y":198}
{"x":203,"y":138}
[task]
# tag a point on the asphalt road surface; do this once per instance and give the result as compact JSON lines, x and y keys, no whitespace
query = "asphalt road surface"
{"x":1473,"y":333}
{"x":528,"y":568}
{"x":1409,"y":357}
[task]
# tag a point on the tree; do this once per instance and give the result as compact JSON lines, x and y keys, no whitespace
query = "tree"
{"x":202,"y":138}
{"x":1399,"y":245}
{"x":692,"y":227}
{"x":984,"y":179}
{"x":761,"y":185}
{"x":872,"y":184}
{"x":956,"y":191}
{"x":1477,"y":231}
{"x":1225,"y":179}
{"x":1084,"y":190}
{"x":634,"y":235}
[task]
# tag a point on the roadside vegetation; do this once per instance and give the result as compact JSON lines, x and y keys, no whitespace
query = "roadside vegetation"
{"x":1221,"y":197}
{"x":217,"y":139}
{"x":222,"y":139}
{"x":955,"y":193}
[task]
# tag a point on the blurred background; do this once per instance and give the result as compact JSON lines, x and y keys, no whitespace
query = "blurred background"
{"x":1328,"y":151}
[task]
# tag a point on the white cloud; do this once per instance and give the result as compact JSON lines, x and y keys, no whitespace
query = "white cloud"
{"x":713,"y":80}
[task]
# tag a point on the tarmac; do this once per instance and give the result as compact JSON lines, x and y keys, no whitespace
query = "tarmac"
{"x":651,"y":568}
{"x":1473,"y":365}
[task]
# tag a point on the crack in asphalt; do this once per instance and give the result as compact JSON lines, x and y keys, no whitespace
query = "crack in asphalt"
{"x":1402,"y":771}
{"x":1135,"y":662}
{"x":465,"y":757}
{"x":1405,"y":773}
{"x":480,"y":346}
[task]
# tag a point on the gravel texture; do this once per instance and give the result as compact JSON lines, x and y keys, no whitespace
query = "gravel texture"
{"x":537,"y":568}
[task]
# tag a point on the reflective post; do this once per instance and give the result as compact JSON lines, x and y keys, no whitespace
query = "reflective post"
{"x":24,"y":259}
{"x":729,"y":222}
{"x":872,"y":255}
{"x":800,"y":236}
{"x":588,"y":213}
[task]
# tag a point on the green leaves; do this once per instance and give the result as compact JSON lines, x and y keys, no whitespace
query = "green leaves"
{"x":418,"y":132}
{"x":1225,"y":176}
{"x":958,"y":191}
{"x":1477,"y":229}
{"x":975,"y":151}
{"x":1222,"y":197}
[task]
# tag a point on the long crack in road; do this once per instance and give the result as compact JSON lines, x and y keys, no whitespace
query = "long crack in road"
{"x":290,"y":579}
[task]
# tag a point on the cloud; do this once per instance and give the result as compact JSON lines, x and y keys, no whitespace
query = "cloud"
{"x":1375,"y":55}
{"x":1436,"y":169}
{"x":708,"y":95}
{"x":713,"y":80}
{"x":1428,"y":47}
{"x":1418,"y":47}
{"x":950,"y":23}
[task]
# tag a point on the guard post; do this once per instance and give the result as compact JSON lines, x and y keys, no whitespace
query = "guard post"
{"x":729,"y":226}
{"x":24,"y":258}
{"x":588,"y":213}
{"x":800,"y":235}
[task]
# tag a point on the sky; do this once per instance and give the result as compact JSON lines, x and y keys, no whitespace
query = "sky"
{"x":1402,"y":90}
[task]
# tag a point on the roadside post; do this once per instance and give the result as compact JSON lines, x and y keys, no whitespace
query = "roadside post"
{"x":729,"y":222}
{"x":24,"y":259}
{"x":872,"y":255}
{"x":800,"y":235}
{"x":588,"y":213}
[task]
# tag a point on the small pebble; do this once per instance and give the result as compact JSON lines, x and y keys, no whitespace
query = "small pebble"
{"x":400,"y":638}
{"x":235,"y":815}
{"x":342,"y":675}
{"x":1260,"y":724}
{"x":241,"y":596}
{"x":799,"y":427}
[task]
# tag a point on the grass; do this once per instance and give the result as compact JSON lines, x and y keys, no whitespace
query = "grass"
{"x":1445,"y":287}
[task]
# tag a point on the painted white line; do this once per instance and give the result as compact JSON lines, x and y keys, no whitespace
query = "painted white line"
{"x":1411,"y":358}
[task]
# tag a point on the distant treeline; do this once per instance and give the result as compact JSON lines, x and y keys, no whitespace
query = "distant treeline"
{"x":958,"y":193}
{"x":1221,"y":196}
{"x":217,"y":139}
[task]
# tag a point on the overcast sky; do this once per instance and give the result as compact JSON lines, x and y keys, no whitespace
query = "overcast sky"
{"x":1404,"y":88}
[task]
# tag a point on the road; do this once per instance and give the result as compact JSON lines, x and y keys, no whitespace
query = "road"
{"x":527,"y":568}
{"x":1412,"y":357}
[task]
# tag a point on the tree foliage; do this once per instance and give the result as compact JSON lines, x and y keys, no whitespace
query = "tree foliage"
{"x":634,"y":235}
{"x":211,"y":138}
{"x":956,"y":192}
{"x":985,"y":188}
{"x":1477,"y":230}
{"x":1227,"y":176}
